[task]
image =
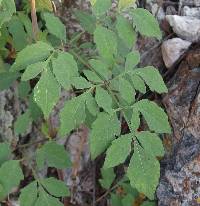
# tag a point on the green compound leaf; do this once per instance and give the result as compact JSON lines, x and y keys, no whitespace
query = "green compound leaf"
{"x":104,"y":130}
{"x":47,"y":92}
{"x":118,"y":151}
{"x":91,"y":104}
{"x":7,"y":10}
{"x":154,"y":115}
{"x":35,"y":195}
{"x":45,"y":199}
{"x":54,"y":154}
{"x":72,"y":115}
{"x":100,"y":7}
{"x":23,"y":89}
{"x":101,"y":68}
{"x":19,"y":36}
{"x":7,"y":78}
{"x":55,"y":26}
{"x":138,"y":83}
{"x":92,"y":76}
{"x":32,"y":54}
{"x":132,"y":59}
{"x":146,"y":23}
{"x":126,"y":91}
{"x":103,"y":99}
{"x":29,"y":195}
{"x":5,"y":152}
{"x":65,"y":68}
{"x":151,"y":143}
{"x":135,"y":120}
{"x":125,"y":31}
{"x":87,"y":21}
{"x":106,"y":43}
{"x":144,"y":172}
{"x":128,"y":200}
{"x":55,"y":187}
{"x":152,"y":78}
{"x":22,"y":123}
{"x":13,"y":173}
{"x":108,"y":177}
{"x":33,"y":70}
{"x":80,"y":83}
{"x":115,"y":200}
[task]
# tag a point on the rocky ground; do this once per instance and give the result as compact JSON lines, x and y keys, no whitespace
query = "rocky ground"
{"x":178,"y":58}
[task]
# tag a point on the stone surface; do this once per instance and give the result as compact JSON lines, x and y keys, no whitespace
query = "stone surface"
{"x":192,"y":12}
{"x":180,"y":169}
{"x":190,"y":3}
{"x":187,"y":28}
{"x":172,"y":50}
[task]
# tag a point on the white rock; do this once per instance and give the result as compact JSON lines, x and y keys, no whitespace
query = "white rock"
{"x":172,"y":50}
{"x":185,"y":27}
{"x":193,"y":12}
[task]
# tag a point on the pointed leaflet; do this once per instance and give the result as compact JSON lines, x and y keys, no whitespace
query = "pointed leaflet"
{"x":154,"y":115}
{"x":101,"y":68}
{"x":7,"y":10}
{"x":55,"y":187}
{"x":152,"y":78}
{"x":151,"y":143}
{"x":118,"y":151}
{"x":22,"y":123}
{"x":143,"y":172}
{"x":92,"y":76}
{"x":23,"y":89}
{"x":5,"y":152}
{"x":100,"y":7}
{"x":106,"y":43}
{"x":28,"y":195}
{"x":132,"y":59}
{"x":31,"y":54}
{"x":65,"y":68}
{"x":87,"y":21}
{"x":44,"y":199}
{"x":80,"y":83}
{"x":91,"y":104}
{"x":146,"y":23}
{"x":19,"y":36}
{"x":135,"y":120}
{"x":126,"y":91}
{"x":108,"y":177}
{"x":7,"y":78}
{"x":72,"y":115}
{"x":33,"y":70}
{"x":104,"y":130}
{"x":103,"y":99}
{"x":55,"y":26}
{"x":47,"y":92}
{"x":125,"y":31}
{"x":54,"y":154}
{"x":138,"y":83}
{"x":13,"y":173}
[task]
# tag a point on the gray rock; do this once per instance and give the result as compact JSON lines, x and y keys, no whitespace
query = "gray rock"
{"x":190,"y":2}
{"x":187,"y":28}
{"x":179,"y":183}
{"x":192,"y":12}
{"x":172,"y":50}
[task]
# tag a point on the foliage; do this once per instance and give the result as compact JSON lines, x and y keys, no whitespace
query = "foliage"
{"x":109,"y":84}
